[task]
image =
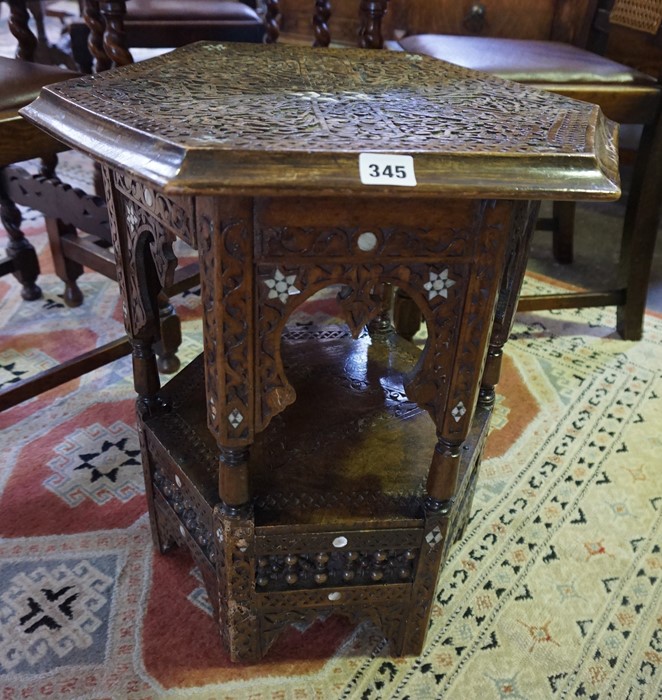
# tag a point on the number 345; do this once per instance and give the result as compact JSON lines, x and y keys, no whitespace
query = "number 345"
{"x":398,"y":171}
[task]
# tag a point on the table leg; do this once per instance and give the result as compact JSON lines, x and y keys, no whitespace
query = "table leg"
{"x":225,"y":246}
{"x":454,"y":415}
{"x":145,"y":265}
{"x":524,"y":222}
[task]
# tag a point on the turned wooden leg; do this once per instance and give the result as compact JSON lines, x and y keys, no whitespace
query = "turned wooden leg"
{"x":382,"y":323}
{"x":406,"y":315}
{"x":563,"y":233}
{"x":442,"y":477}
{"x":96,"y":25}
{"x":67,"y":270}
{"x":642,"y":218}
{"x":171,"y":337}
{"x":321,"y":23}
{"x":271,"y":20}
{"x":233,"y":486}
{"x":25,"y":265}
{"x":114,"y":36}
{"x":371,"y":13}
{"x":523,"y":223}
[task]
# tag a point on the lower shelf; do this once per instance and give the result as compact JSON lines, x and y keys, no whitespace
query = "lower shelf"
{"x":338,"y":520}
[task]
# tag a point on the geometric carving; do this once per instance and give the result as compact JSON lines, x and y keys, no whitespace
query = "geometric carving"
{"x":325,"y":569}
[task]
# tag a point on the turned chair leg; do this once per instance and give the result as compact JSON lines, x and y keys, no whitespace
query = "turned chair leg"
{"x":67,"y":270}
{"x":21,"y":253}
{"x":642,"y":217}
{"x":563,"y":232}
{"x":171,"y":337}
{"x":406,"y":315}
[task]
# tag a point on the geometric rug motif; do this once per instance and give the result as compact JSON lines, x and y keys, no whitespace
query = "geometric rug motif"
{"x":54,"y":612}
{"x":99,"y":464}
{"x":14,"y":365}
{"x":198,"y":596}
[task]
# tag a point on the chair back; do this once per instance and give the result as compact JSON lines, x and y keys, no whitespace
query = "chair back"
{"x":630,"y":32}
{"x":19,"y":26}
{"x":553,"y":20}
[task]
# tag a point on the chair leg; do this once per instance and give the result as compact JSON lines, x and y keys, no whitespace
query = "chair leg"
{"x":25,"y":265}
{"x":564,"y":231}
{"x":67,"y":270}
{"x":642,"y":218}
{"x":406,"y":315}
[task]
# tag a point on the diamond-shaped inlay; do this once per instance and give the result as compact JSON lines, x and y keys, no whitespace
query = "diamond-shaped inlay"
{"x":235,"y":418}
{"x":438,"y":284}
{"x":131,"y":217}
{"x":459,"y":411}
{"x":434,"y":537}
{"x":281,"y":286}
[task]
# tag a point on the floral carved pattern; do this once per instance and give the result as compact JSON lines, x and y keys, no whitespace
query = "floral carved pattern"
{"x":137,"y":235}
{"x":174,"y":215}
{"x":429,"y":386}
{"x":328,"y":102}
{"x":341,"y":241}
{"x":226,"y":280}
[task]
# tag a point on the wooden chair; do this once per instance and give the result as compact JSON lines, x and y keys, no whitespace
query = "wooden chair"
{"x":626,"y":95}
{"x":67,"y":211}
{"x":157,"y":24}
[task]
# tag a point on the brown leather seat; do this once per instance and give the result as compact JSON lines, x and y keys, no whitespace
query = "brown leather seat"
{"x":170,"y":23}
{"x":20,"y":82}
{"x":190,"y":11}
{"x":525,"y":60}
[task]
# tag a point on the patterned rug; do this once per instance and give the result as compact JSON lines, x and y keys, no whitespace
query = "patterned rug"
{"x":554,"y":592}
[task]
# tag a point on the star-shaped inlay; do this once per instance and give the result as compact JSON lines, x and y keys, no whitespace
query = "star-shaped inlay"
{"x":439,"y":284}
{"x":281,"y":286}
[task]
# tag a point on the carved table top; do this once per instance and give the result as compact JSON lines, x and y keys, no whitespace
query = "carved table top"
{"x":246,"y":118}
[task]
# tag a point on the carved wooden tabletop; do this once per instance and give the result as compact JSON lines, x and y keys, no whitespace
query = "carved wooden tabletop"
{"x":232,"y":118}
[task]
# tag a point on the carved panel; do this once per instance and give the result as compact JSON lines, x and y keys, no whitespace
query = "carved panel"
{"x":190,"y":511}
{"x":236,"y":575}
{"x":324,"y":569}
{"x":476,"y":321}
{"x":437,"y":289}
{"x":401,"y":242}
{"x":136,"y":235}
{"x":306,"y":540}
{"x":433,"y":551}
{"x":524,"y":219}
{"x":364,"y":597}
{"x":278,"y":501}
{"x":331,"y":101}
{"x":171,"y":212}
{"x":225,"y":253}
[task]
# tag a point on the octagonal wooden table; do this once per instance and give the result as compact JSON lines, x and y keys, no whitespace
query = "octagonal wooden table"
{"x":317,"y":470}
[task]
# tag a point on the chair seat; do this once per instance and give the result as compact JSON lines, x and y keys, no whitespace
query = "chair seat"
{"x":190,"y":11}
{"x":526,"y":60}
{"x":20,"y":82}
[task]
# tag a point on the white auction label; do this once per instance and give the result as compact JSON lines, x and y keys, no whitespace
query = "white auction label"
{"x":386,"y":169}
